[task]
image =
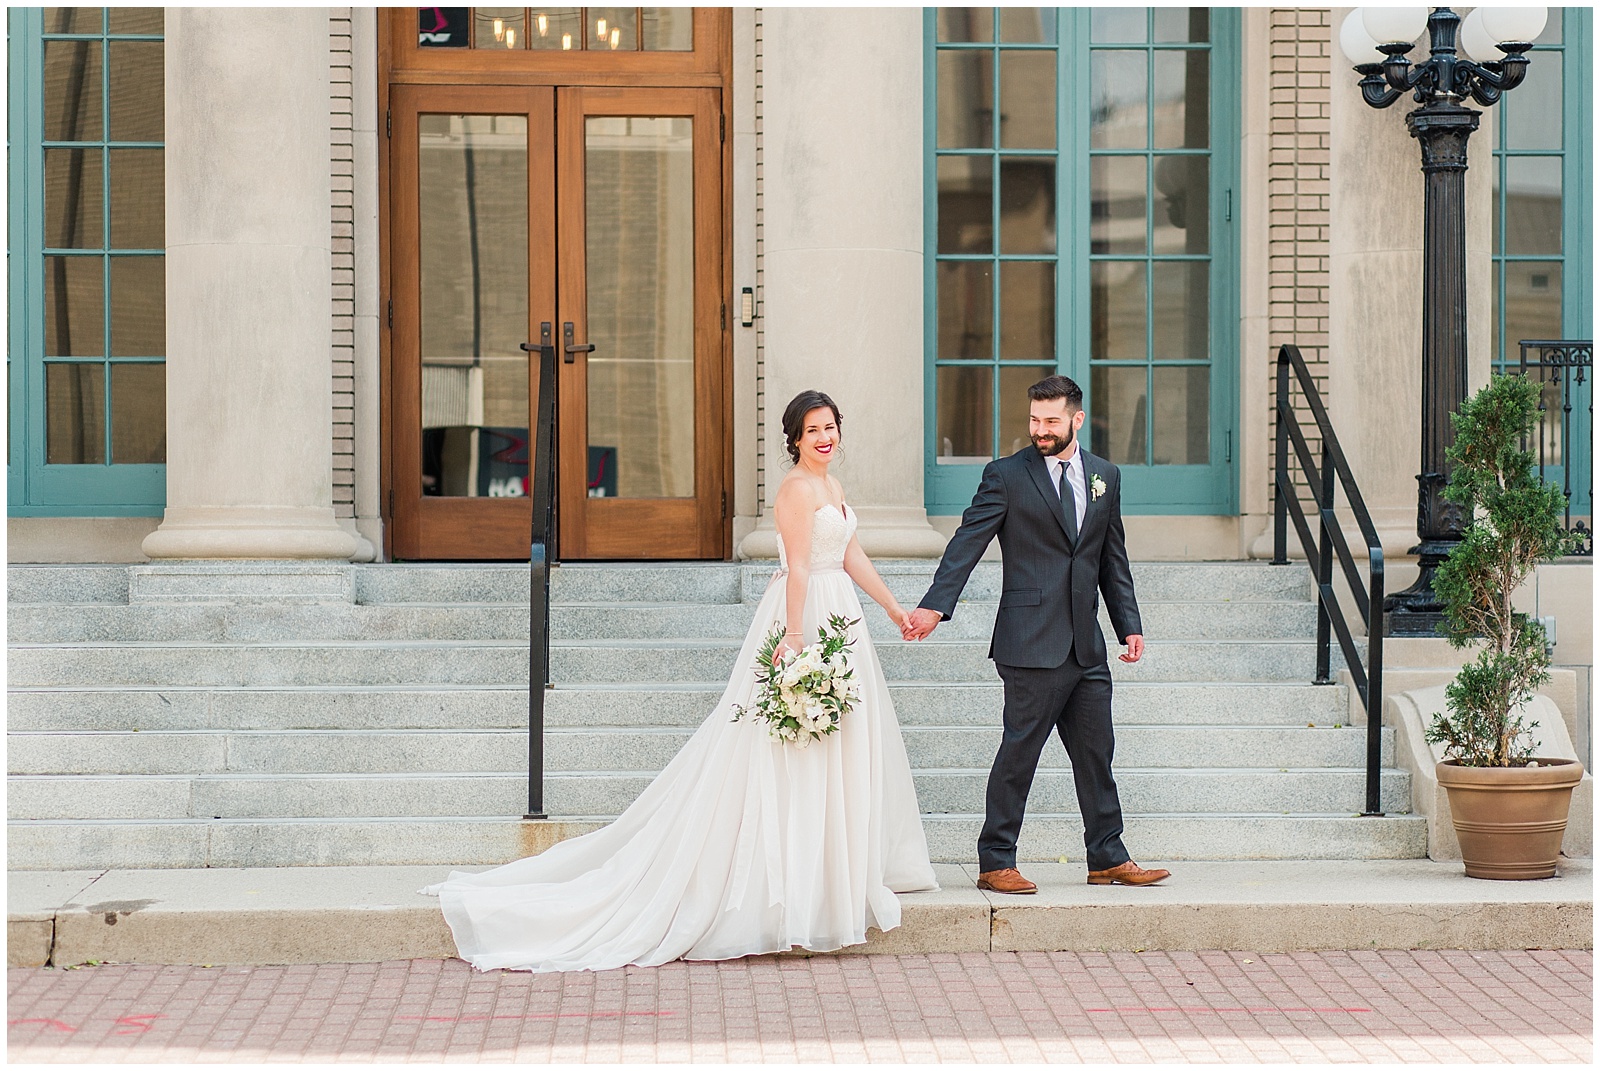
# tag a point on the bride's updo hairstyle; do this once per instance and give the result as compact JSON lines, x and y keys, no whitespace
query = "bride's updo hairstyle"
{"x":794,"y":418}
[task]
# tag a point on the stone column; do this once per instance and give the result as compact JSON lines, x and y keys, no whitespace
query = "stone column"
{"x":842,"y":227}
{"x":249,"y":401}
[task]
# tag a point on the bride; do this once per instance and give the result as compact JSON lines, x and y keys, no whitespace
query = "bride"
{"x":742,"y":845}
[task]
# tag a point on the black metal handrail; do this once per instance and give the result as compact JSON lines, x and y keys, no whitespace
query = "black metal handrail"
{"x":1320,"y":552}
{"x":1568,"y":364}
{"x":541,"y":556}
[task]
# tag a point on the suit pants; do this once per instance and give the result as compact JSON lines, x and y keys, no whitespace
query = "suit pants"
{"x":1075,"y":701}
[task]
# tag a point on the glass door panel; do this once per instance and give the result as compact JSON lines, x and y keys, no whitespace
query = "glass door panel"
{"x":642,"y":424}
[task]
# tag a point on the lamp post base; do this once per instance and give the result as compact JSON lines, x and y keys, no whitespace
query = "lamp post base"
{"x":1417,"y":611}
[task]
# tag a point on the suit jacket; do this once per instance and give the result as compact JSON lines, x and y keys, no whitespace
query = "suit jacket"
{"x":1051,"y":586}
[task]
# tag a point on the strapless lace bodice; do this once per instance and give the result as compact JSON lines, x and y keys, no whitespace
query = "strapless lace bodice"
{"x":831,"y":530}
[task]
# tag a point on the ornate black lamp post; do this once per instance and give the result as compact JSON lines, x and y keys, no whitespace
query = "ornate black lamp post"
{"x":1381,"y":38}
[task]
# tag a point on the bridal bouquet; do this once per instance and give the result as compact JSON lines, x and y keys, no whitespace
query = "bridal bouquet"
{"x":804,"y":697}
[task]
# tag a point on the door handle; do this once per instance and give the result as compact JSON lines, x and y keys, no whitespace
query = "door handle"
{"x":572,"y":347}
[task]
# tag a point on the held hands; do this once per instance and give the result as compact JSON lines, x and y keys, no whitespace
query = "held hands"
{"x":919,"y":623}
{"x":1135,"y":645}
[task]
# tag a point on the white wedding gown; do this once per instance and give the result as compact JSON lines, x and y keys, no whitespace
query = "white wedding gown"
{"x":741,"y":846}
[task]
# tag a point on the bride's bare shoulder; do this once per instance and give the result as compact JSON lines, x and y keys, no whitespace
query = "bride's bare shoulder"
{"x":798,"y":494}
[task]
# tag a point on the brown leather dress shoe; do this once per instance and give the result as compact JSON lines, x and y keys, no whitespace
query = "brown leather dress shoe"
{"x":1129,"y":873}
{"x":1006,"y":881}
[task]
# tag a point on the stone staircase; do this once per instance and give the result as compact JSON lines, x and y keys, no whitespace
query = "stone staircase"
{"x":376,"y":715}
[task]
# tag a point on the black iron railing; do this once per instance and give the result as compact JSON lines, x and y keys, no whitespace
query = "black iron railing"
{"x":541,"y":556}
{"x":1323,"y":481}
{"x":1563,"y":368}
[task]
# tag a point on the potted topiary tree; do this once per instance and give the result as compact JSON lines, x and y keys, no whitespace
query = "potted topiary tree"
{"x":1509,"y":807}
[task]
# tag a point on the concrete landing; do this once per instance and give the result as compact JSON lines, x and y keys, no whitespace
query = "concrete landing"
{"x":364,"y":914}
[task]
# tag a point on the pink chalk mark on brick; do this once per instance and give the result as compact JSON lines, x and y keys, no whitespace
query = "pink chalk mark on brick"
{"x":54,"y":1024}
{"x":134,"y":1025}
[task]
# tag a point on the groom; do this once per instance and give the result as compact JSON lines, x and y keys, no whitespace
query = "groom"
{"x":1057,"y":510}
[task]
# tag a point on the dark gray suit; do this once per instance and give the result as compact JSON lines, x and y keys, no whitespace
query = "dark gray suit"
{"x":1047,"y":645}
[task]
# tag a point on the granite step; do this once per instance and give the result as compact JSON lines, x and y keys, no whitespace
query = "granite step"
{"x":506,"y":751}
{"x":606,"y":793}
{"x":647,"y":704}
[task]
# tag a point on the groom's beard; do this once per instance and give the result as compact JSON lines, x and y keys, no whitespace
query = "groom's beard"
{"x":1052,"y":445}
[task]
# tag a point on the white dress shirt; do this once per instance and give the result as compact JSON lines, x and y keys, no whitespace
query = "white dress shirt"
{"x":1080,"y":496}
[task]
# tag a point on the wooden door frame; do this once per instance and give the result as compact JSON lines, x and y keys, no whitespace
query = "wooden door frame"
{"x":400,"y":62}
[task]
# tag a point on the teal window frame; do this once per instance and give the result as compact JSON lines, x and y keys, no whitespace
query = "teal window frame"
{"x":35,"y":488}
{"x":1201,"y":490}
{"x":1577,"y":233}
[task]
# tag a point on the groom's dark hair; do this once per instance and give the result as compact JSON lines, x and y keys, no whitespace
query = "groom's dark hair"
{"x":1052,"y":387}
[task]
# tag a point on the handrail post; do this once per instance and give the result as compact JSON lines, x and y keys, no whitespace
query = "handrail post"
{"x":542,"y":469}
{"x":1280,"y":507}
{"x":1374,"y":696}
{"x":1325,"y":570}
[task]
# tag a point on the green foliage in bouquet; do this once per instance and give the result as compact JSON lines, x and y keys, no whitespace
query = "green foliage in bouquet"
{"x":805,"y":696}
{"x":1516,"y":525}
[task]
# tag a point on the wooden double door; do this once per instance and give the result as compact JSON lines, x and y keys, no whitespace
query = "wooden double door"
{"x":594,"y":213}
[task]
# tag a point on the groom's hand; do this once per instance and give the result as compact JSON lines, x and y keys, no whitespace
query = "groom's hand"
{"x":1135,"y":645}
{"x":920,"y":623}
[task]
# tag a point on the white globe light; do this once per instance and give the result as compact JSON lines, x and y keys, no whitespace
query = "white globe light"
{"x":1389,"y":24}
{"x":1514,"y":23}
{"x":1356,"y":43}
{"x":1476,"y":41}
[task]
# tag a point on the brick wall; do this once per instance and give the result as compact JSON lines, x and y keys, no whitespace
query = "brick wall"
{"x":342,"y":222}
{"x":1298,"y":192}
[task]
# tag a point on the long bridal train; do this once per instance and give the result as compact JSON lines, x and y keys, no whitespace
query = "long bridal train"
{"x":741,"y":846}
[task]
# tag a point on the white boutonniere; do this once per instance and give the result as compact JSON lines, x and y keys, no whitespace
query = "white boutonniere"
{"x":1097,"y":487}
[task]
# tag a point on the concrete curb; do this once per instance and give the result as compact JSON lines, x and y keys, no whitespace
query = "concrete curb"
{"x":365,"y":914}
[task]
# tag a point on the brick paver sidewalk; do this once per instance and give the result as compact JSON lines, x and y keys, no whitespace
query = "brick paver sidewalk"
{"x":1205,"y":1006}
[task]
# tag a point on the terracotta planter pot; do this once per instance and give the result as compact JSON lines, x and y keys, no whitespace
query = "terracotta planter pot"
{"x":1510,"y":819}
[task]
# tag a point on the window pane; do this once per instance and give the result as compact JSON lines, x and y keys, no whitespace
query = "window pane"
{"x":72,"y":196}
{"x":138,"y":199}
{"x":75,"y":416}
{"x":1028,"y":100}
{"x":444,"y":27}
{"x":1182,"y":79}
{"x":556,"y":28}
{"x":639,"y":242}
{"x":137,"y":20}
{"x":1533,"y":205}
{"x":965,"y":23}
{"x":966,"y":206}
{"x":72,"y":19}
{"x":1028,"y":25}
{"x":72,"y":91}
{"x":1027,"y":204}
{"x":965,"y":425}
{"x":499,"y":27}
{"x":1117,"y":310}
{"x":1117,"y":204}
{"x":1117,"y":413}
{"x":668,"y":29}
{"x":474,"y":310}
{"x":1182,"y":221}
{"x":614,"y":28}
{"x":966,"y":309}
{"x":1532,"y":302}
{"x":74,"y":306}
{"x":1118,"y":94}
{"x":1181,"y":330}
{"x":1027,"y":310}
{"x":1182,"y":24}
{"x":966,"y":99}
{"x":137,"y":92}
{"x":138,"y":414}
{"x":1014,"y":383}
{"x":1181,"y":422}
{"x":1532,"y":111}
{"x":138,"y":306}
{"x":1117,"y":25}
